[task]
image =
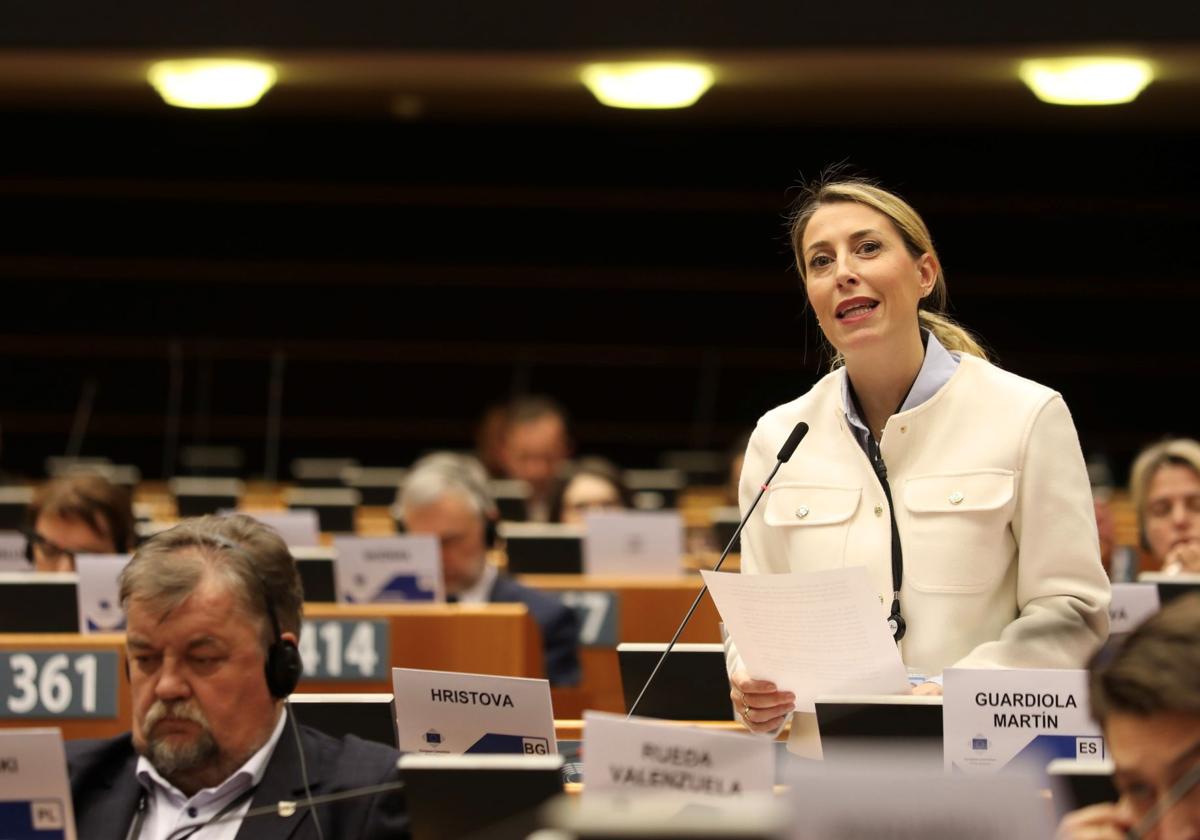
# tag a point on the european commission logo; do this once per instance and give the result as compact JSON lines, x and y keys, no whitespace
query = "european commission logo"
{"x":433,"y":738}
{"x":979,"y":743}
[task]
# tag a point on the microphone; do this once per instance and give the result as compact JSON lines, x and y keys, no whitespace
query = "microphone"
{"x":785,"y":455}
{"x":288,"y":807}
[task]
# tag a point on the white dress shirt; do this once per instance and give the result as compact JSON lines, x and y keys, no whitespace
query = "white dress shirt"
{"x":171,"y":814}
{"x":480,"y":592}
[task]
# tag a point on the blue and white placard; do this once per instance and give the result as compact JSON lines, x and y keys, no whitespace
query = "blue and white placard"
{"x":297,"y":527}
{"x":651,"y":757}
{"x":452,"y":713}
{"x":993,"y":718}
{"x":35,"y":797}
{"x":1131,"y":604}
{"x":12,"y":552}
{"x":633,"y":543}
{"x":99,"y":592}
{"x":381,"y":569}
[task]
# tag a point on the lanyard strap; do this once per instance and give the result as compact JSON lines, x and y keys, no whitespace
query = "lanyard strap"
{"x":135,"y":831}
{"x":895,"y":618}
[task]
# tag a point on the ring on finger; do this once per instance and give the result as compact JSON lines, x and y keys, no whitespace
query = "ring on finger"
{"x":746,"y":714}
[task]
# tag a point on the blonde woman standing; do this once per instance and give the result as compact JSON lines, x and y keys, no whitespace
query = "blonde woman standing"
{"x":959,"y":486}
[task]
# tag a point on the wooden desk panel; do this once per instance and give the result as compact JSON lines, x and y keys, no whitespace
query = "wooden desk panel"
{"x":650,"y":610}
{"x":499,"y":639}
{"x":573,"y":730}
{"x":650,"y":607}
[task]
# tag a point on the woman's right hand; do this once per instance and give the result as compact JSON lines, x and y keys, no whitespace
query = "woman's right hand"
{"x":761,"y":706}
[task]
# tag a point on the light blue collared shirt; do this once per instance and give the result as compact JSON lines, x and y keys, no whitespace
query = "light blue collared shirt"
{"x":936,"y":369}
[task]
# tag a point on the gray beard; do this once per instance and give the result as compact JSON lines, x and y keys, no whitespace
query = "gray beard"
{"x":170,"y":760}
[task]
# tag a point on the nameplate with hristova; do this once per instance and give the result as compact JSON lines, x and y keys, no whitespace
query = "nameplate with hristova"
{"x":453,"y":713}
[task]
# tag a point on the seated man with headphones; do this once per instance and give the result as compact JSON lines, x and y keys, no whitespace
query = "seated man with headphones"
{"x":214,"y":608}
{"x":446,"y":495}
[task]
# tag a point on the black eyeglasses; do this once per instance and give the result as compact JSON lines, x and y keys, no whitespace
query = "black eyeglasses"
{"x":52,"y":551}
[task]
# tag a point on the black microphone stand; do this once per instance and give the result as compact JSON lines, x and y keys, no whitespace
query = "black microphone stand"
{"x":785,"y":454}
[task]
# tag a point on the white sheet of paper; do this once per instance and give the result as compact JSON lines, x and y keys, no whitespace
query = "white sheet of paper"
{"x":12,"y":552}
{"x":810,"y":633}
{"x":36,"y":794}
{"x":1132,"y":603}
{"x":99,"y":593}
{"x":297,"y":527}
{"x":375,"y":569}
{"x":995,"y":717}
{"x":633,"y":543}
{"x":645,"y":756}
{"x":452,"y":713}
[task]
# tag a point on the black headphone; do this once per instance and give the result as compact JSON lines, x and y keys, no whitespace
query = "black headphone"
{"x":284,"y":666}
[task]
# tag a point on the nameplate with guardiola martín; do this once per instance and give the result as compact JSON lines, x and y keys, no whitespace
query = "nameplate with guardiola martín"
{"x":993,"y":718}
{"x":452,"y":713}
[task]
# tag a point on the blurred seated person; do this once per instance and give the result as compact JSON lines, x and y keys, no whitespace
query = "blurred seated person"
{"x":214,"y":614}
{"x":535,"y":449}
{"x":446,"y":495}
{"x":591,"y":484}
{"x":489,"y":440}
{"x":1145,"y":694}
{"x":737,"y":456}
{"x":79,"y":514}
{"x":1165,"y":486}
{"x":1120,"y":561}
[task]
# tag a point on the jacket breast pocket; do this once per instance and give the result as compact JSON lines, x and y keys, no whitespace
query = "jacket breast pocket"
{"x":958,"y":537}
{"x":814,"y":520}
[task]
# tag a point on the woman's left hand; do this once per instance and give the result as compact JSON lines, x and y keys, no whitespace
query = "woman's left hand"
{"x":927,"y":689}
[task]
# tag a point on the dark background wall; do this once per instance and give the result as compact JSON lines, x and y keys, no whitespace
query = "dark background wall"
{"x":405,"y":273}
{"x":409,"y":275}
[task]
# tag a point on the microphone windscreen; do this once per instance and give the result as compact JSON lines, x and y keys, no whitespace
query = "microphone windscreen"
{"x":793,"y":441}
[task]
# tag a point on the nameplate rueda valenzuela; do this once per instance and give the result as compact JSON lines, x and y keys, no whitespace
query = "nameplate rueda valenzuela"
{"x":994,"y":718}
{"x":345,"y":650}
{"x":452,"y":713}
{"x":36,"y":800}
{"x":389,"y":569}
{"x":47,"y":683}
{"x":664,"y":758}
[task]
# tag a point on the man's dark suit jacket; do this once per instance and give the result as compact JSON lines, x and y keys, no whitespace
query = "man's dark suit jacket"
{"x":106,"y":791}
{"x":559,"y":625}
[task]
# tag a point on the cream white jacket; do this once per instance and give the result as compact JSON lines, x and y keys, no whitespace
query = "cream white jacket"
{"x":1001,"y":554}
